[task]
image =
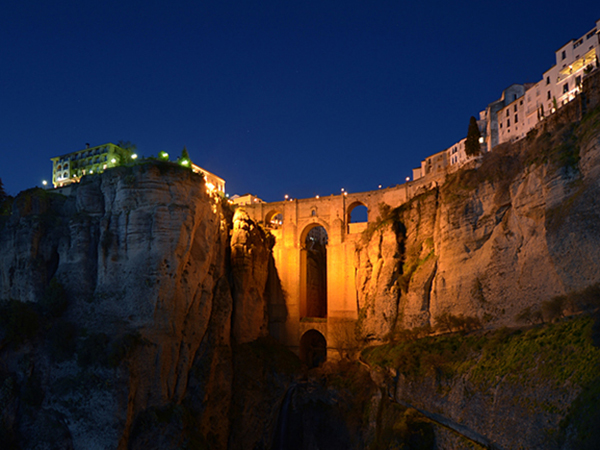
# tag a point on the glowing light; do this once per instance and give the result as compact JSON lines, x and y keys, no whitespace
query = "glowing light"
{"x":210,"y":187}
{"x":185,"y":162}
{"x":317,"y":196}
{"x":113,"y":160}
{"x":379,"y":186}
{"x":286,"y":196}
{"x":163,"y":155}
{"x":481,"y":140}
{"x":44,"y":182}
{"x":407,"y":178}
{"x":91,"y":171}
{"x":134,"y":156}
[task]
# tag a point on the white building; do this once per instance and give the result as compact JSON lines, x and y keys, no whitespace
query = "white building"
{"x":522,"y":106}
{"x":560,"y":84}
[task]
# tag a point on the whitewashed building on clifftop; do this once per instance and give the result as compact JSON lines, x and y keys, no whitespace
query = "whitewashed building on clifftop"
{"x":522,"y":106}
{"x":559,"y":85}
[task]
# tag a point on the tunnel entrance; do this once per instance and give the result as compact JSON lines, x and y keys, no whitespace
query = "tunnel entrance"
{"x":313,"y":348}
{"x":313,"y":273}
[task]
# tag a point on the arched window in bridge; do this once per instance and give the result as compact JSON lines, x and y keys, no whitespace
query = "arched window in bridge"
{"x":313,"y":273}
{"x":357,"y":212}
{"x":358,"y":216}
{"x":274,"y":219}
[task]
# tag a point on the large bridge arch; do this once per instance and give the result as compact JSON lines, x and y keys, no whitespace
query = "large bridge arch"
{"x":313,"y":271}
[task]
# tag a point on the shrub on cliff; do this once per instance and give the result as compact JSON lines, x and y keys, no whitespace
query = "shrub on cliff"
{"x":449,"y":322}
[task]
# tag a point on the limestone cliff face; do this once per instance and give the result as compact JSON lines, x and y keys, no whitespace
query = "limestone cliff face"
{"x":143,"y":256}
{"x":517,"y":231}
{"x":250,"y":270}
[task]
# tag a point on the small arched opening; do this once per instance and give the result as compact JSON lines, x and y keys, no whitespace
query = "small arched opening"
{"x":358,"y":212}
{"x":357,"y":217}
{"x":313,"y":272}
{"x":313,"y":348}
{"x":274,"y":219}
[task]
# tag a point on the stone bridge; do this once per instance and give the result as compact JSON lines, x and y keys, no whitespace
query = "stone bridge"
{"x":314,"y":252}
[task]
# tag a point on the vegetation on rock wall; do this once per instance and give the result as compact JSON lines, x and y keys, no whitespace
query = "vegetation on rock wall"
{"x":566,"y":349}
{"x":547,"y":364}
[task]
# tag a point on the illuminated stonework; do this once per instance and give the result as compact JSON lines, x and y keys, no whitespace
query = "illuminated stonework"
{"x":213,"y":182}
{"x":311,"y":232}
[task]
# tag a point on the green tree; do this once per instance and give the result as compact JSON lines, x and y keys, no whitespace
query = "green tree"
{"x":184,"y":153}
{"x":184,"y":159}
{"x":127,"y":145}
{"x":472,"y":145}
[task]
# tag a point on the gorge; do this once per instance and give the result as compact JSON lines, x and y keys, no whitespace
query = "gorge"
{"x":141,"y":311}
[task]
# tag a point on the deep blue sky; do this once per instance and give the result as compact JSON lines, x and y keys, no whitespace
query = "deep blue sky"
{"x":277,"y":97}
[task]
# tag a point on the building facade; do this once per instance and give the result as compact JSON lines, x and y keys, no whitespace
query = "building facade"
{"x":559,"y":85}
{"x":70,"y":167}
{"x":521,"y":107}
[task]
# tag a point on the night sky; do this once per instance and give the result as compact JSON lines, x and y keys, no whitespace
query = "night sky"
{"x":277,"y":97}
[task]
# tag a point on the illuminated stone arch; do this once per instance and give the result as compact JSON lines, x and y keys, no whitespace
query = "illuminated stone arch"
{"x":357,"y":212}
{"x":313,"y":348}
{"x":274,"y":219}
{"x":313,"y":270}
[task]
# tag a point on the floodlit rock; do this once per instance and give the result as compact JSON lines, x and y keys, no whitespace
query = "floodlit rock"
{"x":490,"y":242}
{"x":142,"y":254}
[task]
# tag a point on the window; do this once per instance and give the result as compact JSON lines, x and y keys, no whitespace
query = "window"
{"x":590,"y":34}
{"x":515,"y":108}
{"x":547,"y":80}
{"x":507,"y":113}
{"x":516,"y":118}
{"x":521,"y":102}
{"x":564,"y":54}
{"x":566,"y":88}
{"x":508,"y":122}
{"x":500,"y":125}
{"x":549,"y":95}
{"x":578,"y":81}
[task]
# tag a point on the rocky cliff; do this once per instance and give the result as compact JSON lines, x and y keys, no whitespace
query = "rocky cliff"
{"x":123,"y":302}
{"x":493,"y":242}
{"x":134,"y":309}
